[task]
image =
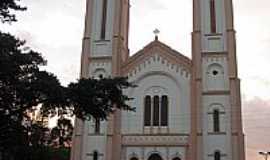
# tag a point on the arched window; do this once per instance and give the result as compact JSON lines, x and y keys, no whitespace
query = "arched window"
{"x":155,"y":157}
{"x":216,"y":121}
{"x":176,"y":158}
{"x":95,"y":155}
{"x":134,"y":158}
{"x":164,"y":110}
{"x":156,"y":111}
{"x":147,"y":111}
{"x":104,"y":20}
{"x":213,"y":25}
{"x":217,"y":155}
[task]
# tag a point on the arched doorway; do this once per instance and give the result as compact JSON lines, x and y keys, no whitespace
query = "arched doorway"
{"x":176,"y":158}
{"x":134,"y":158}
{"x":155,"y":157}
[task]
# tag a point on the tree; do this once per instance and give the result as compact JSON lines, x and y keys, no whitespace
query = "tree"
{"x":61,"y":135}
{"x":98,"y":97}
{"x":23,"y":86}
{"x":6,"y":8}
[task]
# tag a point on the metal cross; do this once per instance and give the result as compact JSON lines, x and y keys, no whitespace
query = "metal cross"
{"x":156,"y":32}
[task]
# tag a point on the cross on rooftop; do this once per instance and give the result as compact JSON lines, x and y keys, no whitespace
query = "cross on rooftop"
{"x":156,"y":32}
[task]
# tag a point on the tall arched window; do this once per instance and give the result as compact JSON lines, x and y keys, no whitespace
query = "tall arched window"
{"x":147,"y":111}
{"x":95,"y":155}
{"x":217,"y":155}
{"x":156,"y":111}
{"x":164,"y":110}
{"x":216,"y":121}
{"x":104,"y":20}
{"x":213,"y":25}
{"x":97,"y":125}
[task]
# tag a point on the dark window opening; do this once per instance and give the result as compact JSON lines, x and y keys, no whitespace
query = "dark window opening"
{"x":155,"y":157}
{"x":217,"y":156}
{"x":97,"y":125}
{"x":164,"y":111}
{"x":133,"y":158}
{"x":104,"y":20}
{"x":213,"y":24}
{"x":147,"y":111}
{"x":216,"y":117}
{"x":95,"y":155}
{"x":215,"y":72}
{"x":156,"y":111}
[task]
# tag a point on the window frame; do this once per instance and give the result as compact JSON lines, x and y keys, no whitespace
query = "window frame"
{"x":155,"y":111}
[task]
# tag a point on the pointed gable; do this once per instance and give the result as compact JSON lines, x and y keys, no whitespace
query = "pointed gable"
{"x":160,"y":49}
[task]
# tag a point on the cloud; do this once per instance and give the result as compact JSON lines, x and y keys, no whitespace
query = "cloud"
{"x":55,"y":28}
{"x":256,"y":113}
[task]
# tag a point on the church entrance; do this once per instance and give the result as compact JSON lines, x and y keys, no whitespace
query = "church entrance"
{"x":155,"y":157}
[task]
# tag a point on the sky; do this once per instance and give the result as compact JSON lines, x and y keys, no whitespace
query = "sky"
{"x":55,"y":28}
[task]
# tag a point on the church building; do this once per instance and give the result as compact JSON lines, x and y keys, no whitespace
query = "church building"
{"x":186,"y":109}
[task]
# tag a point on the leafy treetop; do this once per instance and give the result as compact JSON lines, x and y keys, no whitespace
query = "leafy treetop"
{"x":6,"y":8}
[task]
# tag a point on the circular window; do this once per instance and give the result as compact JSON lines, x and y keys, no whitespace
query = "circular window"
{"x":215,"y":72}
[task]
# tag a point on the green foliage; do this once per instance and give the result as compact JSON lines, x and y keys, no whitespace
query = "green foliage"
{"x":6,"y":8}
{"x":61,"y":135}
{"x":23,"y":86}
{"x":98,"y":98}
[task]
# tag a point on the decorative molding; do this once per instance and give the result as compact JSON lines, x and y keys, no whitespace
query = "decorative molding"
{"x":218,"y":92}
{"x":215,"y":54}
{"x":100,"y":58}
{"x":160,"y":134}
{"x":155,"y":140}
{"x":213,"y":34}
{"x":157,"y":51}
{"x":101,"y":41}
{"x":96,"y":134}
{"x":217,"y":133}
{"x":178,"y":69}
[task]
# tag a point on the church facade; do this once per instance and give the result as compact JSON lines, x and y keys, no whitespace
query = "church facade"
{"x":186,"y":109}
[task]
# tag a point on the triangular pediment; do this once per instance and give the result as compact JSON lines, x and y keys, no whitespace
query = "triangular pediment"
{"x":157,"y":48}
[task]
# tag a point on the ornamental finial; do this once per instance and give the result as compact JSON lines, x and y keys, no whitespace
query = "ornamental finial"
{"x":156,"y":32}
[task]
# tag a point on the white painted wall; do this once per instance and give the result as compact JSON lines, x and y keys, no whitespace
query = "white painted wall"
{"x":213,"y":142}
{"x":157,"y":72}
{"x":213,"y":42}
{"x":211,"y":82}
{"x":102,"y":47}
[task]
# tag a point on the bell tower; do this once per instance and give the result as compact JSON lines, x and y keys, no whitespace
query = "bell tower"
{"x":104,"y":49}
{"x":216,"y":123}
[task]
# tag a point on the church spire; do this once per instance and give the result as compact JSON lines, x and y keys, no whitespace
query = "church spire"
{"x":105,"y":49}
{"x":215,"y":83}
